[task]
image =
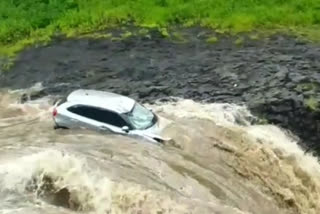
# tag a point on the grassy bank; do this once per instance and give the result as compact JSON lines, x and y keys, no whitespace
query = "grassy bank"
{"x":24,"y":22}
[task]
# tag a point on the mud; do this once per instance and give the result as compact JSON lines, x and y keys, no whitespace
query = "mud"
{"x":278,"y":77}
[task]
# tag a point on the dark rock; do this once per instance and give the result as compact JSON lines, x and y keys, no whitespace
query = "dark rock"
{"x":284,"y":58}
{"x":297,"y":77}
{"x":282,"y":72}
{"x":281,"y":108}
{"x":290,"y":85}
{"x":24,"y":98}
{"x":37,"y":94}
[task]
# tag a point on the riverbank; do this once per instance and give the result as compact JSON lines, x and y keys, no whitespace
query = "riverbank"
{"x":24,"y":23}
{"x":276,"y":77}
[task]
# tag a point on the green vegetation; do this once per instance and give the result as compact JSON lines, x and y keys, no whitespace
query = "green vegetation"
{"x":126,"y":35}
{"x":310,"y":89}
{"x":212,"y":39}
{"x":312,"y":103}
{"x":6,"y":64}
{"x":164,"y":32}
{"x":239,"y":41}
{"x":312,"y":86}
{"x":97,"y":35}
{"x":178,"y":37}
{"x":254,"y":36}
{"x":26,"y":22}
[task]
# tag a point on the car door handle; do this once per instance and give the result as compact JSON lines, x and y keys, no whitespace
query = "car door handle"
{"x":103,"y":127}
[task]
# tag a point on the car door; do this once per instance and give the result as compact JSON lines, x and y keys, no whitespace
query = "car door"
{"x":98,"y":119}
{"x":111,"y":120}
{"x":69,"y":115}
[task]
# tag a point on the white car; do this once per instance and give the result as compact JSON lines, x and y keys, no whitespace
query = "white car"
{"x":109,"y":112}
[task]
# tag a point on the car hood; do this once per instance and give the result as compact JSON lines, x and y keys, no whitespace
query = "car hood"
{"x":155,"y":131}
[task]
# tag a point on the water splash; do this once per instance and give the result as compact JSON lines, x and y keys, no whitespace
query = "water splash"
{"x":264,"y":154}
{"x":220,"y":113}
{"x":43,"y":176}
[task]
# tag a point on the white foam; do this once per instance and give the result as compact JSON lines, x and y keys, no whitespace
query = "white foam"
{"x":67,"y":171}
{"x":264,"y":149}
{"x":220,"y":113}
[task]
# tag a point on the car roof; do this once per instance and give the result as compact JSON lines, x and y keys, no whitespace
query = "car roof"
{"x":103,"y":99}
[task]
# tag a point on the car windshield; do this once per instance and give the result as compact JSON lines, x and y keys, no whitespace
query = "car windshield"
{"x":140,"y":117}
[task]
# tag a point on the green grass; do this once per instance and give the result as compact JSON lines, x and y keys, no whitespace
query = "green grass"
{"x":25,"y":22}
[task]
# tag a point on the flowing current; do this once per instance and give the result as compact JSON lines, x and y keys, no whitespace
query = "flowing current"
{"x":218,"y":163}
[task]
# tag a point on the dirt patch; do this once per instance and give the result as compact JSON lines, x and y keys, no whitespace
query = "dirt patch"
{"x":272,"y":76}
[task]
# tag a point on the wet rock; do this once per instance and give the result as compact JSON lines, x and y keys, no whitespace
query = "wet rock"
{"x":290,"y":85}
{"x":297,"y":77}
{"x":144,"y":92}
{"x":24,"y":98}
{"x":33,"y":95}
{"x":285,"y":58}
{"x":282,"y":72}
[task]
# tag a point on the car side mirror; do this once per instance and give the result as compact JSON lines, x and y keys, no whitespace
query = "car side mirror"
{"x":125,"y":128}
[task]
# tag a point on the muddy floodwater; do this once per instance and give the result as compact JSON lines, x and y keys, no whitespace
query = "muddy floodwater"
{"x":218,"y":163}
{"x":222,"y":159}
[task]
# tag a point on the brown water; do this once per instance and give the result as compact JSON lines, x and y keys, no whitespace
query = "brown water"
{"x":219,"y":163}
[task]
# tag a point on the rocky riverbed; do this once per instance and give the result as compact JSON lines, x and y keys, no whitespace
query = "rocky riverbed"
{"x":277,"y":77}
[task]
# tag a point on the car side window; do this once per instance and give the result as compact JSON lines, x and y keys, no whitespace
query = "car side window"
{"x":100,"y":115}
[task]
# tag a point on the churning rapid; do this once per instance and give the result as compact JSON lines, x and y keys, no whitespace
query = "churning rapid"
{"x":219,"y":162}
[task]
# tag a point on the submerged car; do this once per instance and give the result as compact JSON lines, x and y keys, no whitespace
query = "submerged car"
{"x":107,"y":112}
